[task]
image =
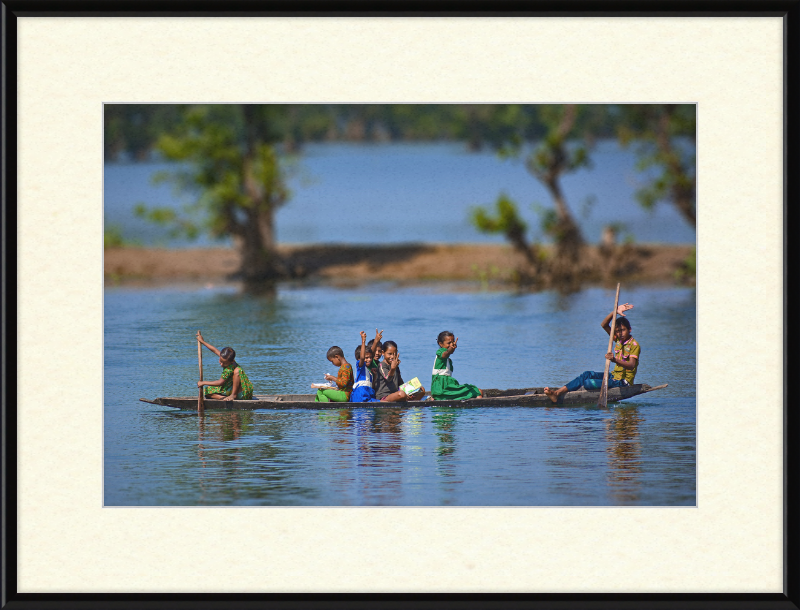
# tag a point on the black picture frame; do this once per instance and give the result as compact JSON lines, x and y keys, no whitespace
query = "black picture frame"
{"x":789,"y":598}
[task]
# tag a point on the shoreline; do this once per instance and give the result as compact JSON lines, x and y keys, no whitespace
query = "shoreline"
{"x":349,"y":265}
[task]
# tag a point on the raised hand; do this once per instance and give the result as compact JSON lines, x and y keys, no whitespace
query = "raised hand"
{"x":623,"y":308}
{"x":378,"y":335}
{"x":395,"y":362}
{"x":455,"y":344}
{"x":363,"y":336}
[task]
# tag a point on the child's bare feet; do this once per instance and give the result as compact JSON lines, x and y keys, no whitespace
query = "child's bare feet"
{"x":552,"y":394}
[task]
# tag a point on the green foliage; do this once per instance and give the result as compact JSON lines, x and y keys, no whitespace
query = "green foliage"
{"x":161,"y":216}
{"x":548,"y":221}
{"x":558,"y":152}
{"x":167,"y":217}
{"x":504,"y":220}
{"x":661,"y":134}
{"x":688,"y":269}
{"x":485,"y":275}
{"x":228,"y":164}
{"x":691,"y":262}
{"x":112,"y":237}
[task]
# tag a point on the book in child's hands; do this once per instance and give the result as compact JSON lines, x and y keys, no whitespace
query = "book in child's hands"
{"x":411,"y":387}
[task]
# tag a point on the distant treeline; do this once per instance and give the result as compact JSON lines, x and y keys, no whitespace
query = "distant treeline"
{"x":231,"y":158}
{"x":132,"y":130}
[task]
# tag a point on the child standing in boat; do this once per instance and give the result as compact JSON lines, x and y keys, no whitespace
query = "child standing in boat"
{"x":443,"y":386}
{"x":362,"y":388}
{"x":344,"y":378}
{"x":625,"y":356}
{"x":234,"y":383}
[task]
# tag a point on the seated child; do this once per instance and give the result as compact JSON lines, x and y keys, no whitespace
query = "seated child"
{"x":379,"y":347}
{"x":625,"y":356}
{"x":233,"y":384}
{"x":390,"y":379}
{"x":443,"y":386}
{"x":344,"y":380}
{"x":362,"y":389}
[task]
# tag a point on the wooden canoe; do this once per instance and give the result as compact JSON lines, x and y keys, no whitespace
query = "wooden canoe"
{"x":522,"y":397}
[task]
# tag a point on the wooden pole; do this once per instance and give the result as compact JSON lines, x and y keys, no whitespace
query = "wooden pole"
{"x":200,"y":404}
{"x":604,"y":388}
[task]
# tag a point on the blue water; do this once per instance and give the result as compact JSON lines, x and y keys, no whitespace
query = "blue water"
{"x":641,"y":452}
{"x":392,"y":193}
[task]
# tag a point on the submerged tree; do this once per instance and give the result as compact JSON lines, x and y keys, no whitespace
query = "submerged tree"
{"x":558,"y":152}
{"x":554,"y":157}
{"x":229,"y":163}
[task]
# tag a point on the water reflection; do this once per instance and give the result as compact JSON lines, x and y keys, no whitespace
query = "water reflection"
{"x":624,"y":452}
{"x":241,"y":459}
{"x":215,"y":428}
{"x":444,"y":420}
{"x":372,"y":438}
{"x":388,"y":425}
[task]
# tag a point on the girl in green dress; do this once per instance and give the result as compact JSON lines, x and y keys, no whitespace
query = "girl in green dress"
{"x":443,"y":386}
{"x":234,"y":383}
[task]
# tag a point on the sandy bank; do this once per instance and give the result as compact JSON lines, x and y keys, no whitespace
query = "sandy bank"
{"x":348,"y":264}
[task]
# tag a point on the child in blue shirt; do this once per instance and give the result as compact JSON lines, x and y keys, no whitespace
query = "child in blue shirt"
{"x":362,"y":388}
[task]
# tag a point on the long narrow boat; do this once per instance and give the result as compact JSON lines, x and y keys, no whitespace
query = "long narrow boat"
{"x":523,"y":397}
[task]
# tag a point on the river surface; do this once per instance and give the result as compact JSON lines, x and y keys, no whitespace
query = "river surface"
{"x":395,"y":193}
{"x":641,"y":452}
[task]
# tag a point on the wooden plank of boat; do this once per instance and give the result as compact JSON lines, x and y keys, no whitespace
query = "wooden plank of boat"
{"x":521,"y":397}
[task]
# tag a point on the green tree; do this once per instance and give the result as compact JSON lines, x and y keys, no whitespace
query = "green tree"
{"x":554,"y":157}
{"x":509,"y":129}
{"x":663,"y":136}
{"x":506,"y":221}
{"x":229,"y":163}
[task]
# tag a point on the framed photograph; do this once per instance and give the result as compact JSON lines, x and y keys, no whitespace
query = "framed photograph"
{"x":733,"y":542}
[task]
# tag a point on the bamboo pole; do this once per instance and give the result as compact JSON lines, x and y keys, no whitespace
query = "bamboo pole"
{"x":604,"y":388}
{"x":200,"y":404}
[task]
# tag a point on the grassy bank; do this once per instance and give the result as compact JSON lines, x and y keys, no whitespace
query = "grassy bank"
{"x":410,"y":263}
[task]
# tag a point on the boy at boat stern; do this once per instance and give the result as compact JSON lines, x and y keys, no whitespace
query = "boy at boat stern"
{"x":625,"y":357}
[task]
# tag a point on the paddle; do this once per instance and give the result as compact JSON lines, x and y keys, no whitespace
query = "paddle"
{"x":604,"y":388}
{"x":200,"y":404}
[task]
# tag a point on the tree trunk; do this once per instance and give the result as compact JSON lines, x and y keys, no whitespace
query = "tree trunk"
{"x":568,"y":235}
{"x":260,"y":260}
{"x":260,"y":263}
